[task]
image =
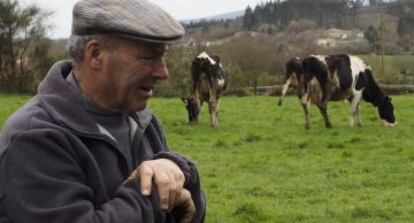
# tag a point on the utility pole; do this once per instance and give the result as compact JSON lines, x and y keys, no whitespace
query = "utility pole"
{"x":382,"y":44}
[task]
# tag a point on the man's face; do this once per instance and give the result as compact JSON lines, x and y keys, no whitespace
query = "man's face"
{"x":129,"y":73}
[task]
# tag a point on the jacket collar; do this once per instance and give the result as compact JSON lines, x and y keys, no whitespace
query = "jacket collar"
{"x":60,"y":100}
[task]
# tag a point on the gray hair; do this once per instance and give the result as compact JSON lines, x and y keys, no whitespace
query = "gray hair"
{"x":76,"y":46}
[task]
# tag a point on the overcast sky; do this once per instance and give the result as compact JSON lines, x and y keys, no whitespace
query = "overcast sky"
{"x":181,"y":9}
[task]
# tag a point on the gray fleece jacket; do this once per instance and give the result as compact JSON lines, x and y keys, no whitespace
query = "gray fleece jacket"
{"x":57,"y":166}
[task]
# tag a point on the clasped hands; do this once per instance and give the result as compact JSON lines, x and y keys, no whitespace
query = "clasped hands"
{"x":169,"y":181}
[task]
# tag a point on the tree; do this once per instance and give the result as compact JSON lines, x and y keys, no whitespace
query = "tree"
{"x":375,"y":2}
{"x":248,"y":19}
{"x":20,"y":29}
{"x":406,"y":22}
{"x":371,"y":35}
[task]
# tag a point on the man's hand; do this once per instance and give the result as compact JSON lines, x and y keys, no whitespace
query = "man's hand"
{"x":169,"y":180}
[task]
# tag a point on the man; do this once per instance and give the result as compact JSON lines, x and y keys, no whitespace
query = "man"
{"x":86,"y":148}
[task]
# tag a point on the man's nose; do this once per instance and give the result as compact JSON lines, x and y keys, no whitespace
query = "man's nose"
{"x":160,"y":70}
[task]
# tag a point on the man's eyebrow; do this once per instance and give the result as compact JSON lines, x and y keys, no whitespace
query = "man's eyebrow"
{"x":160,"y":50}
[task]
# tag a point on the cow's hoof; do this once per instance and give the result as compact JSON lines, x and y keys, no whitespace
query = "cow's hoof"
{"x":194,"y":123}
{"x":279,"y":103}
{"x":329,"y":126}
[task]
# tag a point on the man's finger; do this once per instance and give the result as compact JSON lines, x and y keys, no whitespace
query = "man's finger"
{"x":163,"y":186}
{"x":188,"y":205}
{"x":180,"y":178}
{"x":145,"y":173}
{"x":172,"y":191}
{"x":133,"y":176}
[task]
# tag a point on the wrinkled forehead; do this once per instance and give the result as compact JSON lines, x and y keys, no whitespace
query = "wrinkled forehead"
{"x":145,"y":46}
{"x":153,"y":48}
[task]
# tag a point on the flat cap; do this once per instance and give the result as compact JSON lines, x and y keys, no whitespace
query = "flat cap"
{"x":137,"y":19}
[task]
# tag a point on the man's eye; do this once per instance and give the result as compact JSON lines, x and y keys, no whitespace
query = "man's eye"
{"x":148,"y":58}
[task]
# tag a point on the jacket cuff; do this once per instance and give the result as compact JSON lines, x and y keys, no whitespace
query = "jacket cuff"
{"x":181,"y":162}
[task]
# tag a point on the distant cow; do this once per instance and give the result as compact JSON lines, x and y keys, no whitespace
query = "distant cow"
{"x":340,"y":77}
{"x":209,"y":83}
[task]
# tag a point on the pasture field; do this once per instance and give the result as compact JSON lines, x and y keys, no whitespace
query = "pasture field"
{"x":261,"y":165}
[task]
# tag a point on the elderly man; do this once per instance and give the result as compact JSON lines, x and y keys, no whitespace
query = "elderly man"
{"x":86,"y":148}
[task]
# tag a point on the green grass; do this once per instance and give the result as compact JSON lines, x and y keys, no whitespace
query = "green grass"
{"x":9,"y":103}
{"x":261,"y":165}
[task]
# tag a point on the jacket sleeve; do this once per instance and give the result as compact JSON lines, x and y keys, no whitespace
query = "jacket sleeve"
{"x":192,"y":178}
{"x":42,"y":180}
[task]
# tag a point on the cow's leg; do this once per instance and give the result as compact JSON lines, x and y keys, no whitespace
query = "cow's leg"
{"x":212,"y":107}
{"x":359,"y":115}
{"x":306,"y":109}
{"x":304,"y":98}
{"x":197,"y":95}
{"x":284,"y":90}
{"x":198,"y":99}
{"x":355,"y":110}
{"x":199,"y":104}
{"x":216,"y":106}
{"x":323,"y":108}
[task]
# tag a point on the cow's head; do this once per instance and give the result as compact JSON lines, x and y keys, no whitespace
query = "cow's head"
{"x":192,"y":109}
{"x":386,"y":112}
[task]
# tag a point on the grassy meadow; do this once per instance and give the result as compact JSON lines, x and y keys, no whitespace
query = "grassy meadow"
{"x":261,"y":165}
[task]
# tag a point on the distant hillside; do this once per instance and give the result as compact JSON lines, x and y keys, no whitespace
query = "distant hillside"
{"x":293,"y":17}
{"x":224,"y":16}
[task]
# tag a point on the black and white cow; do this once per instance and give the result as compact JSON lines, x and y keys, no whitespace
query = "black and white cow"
{"x":340,"y":77}
{"x":209,"y":83}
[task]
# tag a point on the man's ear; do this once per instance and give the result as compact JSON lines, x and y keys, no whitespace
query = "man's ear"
{"x":93,"y":54}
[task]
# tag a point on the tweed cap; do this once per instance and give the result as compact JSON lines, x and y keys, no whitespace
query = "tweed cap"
{"x":137,"y":19}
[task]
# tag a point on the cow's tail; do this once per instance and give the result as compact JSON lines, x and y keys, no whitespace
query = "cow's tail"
{"x":306,"y":75}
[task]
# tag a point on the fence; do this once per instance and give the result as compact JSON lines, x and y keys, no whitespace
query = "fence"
{"x":276,"y":90}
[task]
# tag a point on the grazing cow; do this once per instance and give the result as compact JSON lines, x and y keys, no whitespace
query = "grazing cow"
{"x":340,"y":77}
{"x":209,"y":83}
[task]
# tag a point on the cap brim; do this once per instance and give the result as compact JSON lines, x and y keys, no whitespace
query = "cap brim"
{"x":171,"y":40}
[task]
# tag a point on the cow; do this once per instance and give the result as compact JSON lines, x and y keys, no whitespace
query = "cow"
{"x":209,"y":82}
{"x":340,"y":77}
